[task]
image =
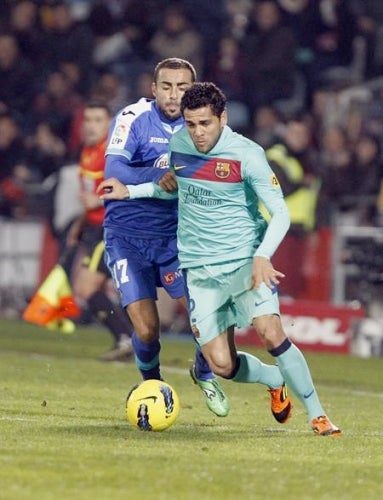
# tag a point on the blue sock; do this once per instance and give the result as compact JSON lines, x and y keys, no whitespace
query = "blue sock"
{"x":147,"y":357}
{"x":296,"y":374}
{"x":251,"y":370}
{"x":202,"y":369}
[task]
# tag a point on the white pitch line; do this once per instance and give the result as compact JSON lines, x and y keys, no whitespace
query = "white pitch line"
{"x":355,"y":392}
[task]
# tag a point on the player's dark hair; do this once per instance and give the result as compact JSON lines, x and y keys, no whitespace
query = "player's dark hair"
{"x":174,"y":63}
{"x":202,"y":94}
{"x":96,"y":104}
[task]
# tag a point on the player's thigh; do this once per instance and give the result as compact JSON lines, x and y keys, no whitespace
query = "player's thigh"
{"x":169,"y":272}
{"x":251,"y":303}
{"x":210,"y":307}
{"x":134,"y":275}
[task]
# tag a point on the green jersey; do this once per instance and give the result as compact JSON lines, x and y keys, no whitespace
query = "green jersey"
{"x":219,"y":195}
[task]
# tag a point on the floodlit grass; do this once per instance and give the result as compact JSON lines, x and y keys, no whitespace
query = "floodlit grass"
{"x":63,"y":433}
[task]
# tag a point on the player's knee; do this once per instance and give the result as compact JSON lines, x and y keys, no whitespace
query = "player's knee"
{"x":223,"y":367}
{"x":146,"y":331}
{"x":147,"y":336}
{"x":271,"y":332}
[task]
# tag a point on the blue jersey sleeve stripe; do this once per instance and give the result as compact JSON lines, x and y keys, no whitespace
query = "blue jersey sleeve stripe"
{"x":126,"y":154}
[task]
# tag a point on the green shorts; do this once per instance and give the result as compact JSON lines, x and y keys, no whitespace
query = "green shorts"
{"x":219,"y":297}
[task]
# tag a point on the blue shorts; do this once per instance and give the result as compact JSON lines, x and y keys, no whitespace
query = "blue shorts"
{"x":139,"y":266}
{"x":220,"y":296}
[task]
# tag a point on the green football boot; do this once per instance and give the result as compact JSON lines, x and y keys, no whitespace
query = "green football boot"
{"x":215,"y":398}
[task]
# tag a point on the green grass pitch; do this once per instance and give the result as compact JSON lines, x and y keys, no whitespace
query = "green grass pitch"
{"x":63,"y":433}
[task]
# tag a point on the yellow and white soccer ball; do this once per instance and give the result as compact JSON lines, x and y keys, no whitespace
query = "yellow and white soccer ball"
{"x":152,"y":405}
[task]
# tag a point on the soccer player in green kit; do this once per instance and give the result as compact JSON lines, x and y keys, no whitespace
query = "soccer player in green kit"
{"x":225,"y":246}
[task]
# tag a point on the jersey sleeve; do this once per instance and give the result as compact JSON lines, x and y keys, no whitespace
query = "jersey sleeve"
{"x":257,"y":173}
{"x":124,"y":143}
{"x":119,"y":166}
{"x":149,"y":190}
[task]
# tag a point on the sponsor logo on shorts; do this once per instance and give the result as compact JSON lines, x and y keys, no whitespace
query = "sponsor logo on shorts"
{"x":169,"y":278}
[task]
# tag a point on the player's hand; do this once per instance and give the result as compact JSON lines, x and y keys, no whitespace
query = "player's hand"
{"x":90,"y":201}
{"x":112,"y":189}
{"x":263,"y":272}
{"x":168,"y":182}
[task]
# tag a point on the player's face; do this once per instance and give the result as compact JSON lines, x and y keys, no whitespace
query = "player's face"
{"x":169,"y":89}
{"x":95,"y":125}
{"x":204,"y":127}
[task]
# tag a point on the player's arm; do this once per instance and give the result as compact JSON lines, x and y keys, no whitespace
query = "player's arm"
{"x":263,"y":181}
{"x":113,"y":189}
{"x":124,"y":144}
{"x":266,"y":186}
{"x":119,"y":166}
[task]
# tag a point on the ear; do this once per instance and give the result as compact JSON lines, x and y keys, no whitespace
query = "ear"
{"x":154,"y":89}
{"x":223,"y":118}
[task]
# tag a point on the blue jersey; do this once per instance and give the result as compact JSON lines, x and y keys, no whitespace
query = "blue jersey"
{"x":137,"y":153}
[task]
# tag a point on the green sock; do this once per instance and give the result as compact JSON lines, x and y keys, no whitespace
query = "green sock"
{"x":296,"y":374}
{"x":252,"y":370}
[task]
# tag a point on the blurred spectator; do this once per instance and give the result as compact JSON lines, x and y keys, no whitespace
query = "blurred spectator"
{"x":336,"y":175}
{"x":238,"y":17}
{"x":295,"y":163}
{"x":143,"y":86}
{"x":122,"y":32}
{"x":226,"y":68}
{"x":210,"y":20}
{"x":17,"y":76}
{"x":110,"y":89}
{"x":301,"y":16}
{"x":57,"y":104}
{"x":14,"y":172}
{"x":334,"y":29}
{"x":65,"y":40}
{"x":46,"y":151}
{"x":177,"y":38}
{"x":141,"y":19}
{"x":369,"y":23}
{"x":269,"y":48}
{"x":72,"y":72}
{"x":366,"y":170}
{"x":25,"y":25}
{"x":267,"y":126}
{"x":111,"y":43}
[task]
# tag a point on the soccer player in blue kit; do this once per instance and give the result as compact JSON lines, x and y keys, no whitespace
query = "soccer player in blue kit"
{"x":225,"y":246}
{"x":140,"y":236}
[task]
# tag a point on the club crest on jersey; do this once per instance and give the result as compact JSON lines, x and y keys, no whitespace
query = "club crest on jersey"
{"x":222,"y":169}
{"x":162,"y":161}
{"x":274,"y":181}
{"x":195,"y":331}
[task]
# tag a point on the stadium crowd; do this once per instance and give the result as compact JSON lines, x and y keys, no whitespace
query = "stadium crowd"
{"x":284,"y":65}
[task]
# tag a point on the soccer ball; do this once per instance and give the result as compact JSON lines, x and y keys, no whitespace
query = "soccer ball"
{"x":152,"y":405}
